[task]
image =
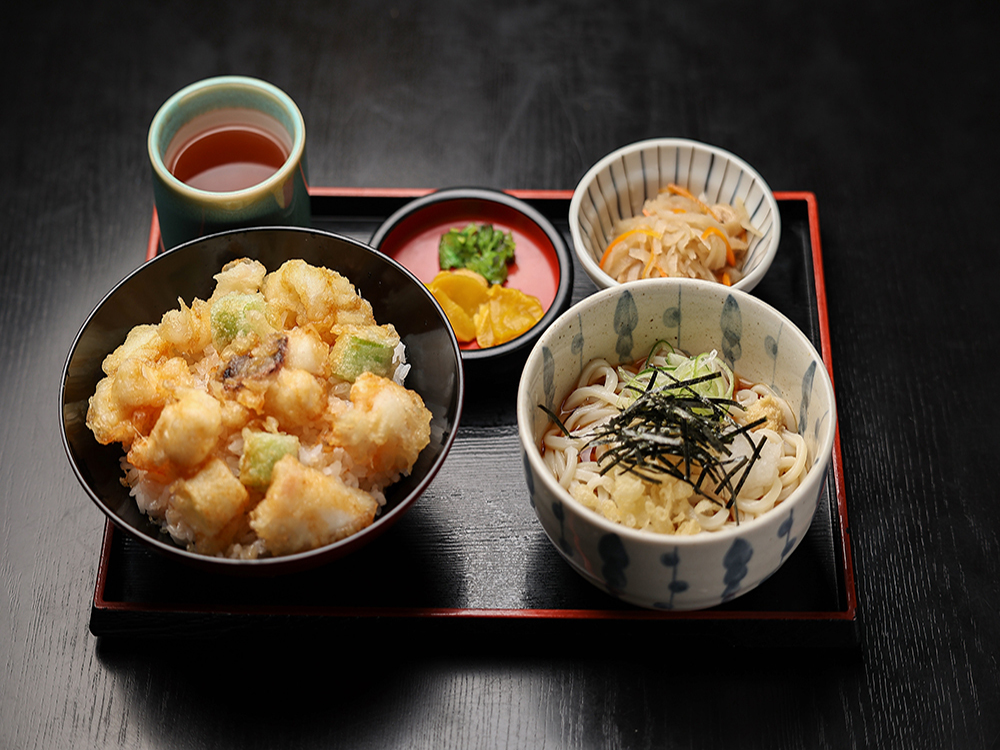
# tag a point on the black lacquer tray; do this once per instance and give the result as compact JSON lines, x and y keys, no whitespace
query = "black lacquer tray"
{"x":469,"y":559}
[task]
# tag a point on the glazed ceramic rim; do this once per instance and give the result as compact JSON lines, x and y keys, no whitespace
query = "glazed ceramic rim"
{"x":296,"y":560}
{"x":591,"y":266}
{"x":529,"y":445}
{"x":564,"y":288}
{"x":195,"y":90}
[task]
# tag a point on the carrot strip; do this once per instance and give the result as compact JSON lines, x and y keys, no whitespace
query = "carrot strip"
{"x":730,"y":256}
{"x":685,"y":193}
{"x":619,"y":238}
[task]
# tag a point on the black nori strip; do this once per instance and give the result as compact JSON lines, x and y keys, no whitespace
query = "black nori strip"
{"x":674,"y":423}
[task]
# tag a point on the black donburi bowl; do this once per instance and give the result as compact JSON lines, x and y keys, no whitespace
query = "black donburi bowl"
{"x":187,"y":271}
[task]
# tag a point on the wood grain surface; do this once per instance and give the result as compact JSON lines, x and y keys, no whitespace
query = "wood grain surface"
{"x":888,"y":114}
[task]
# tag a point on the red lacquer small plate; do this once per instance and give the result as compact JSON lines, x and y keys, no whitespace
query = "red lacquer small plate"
{"x":542,"y":265}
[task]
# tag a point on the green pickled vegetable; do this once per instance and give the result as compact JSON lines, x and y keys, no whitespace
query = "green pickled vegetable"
{"x":482,"y":249}
{"x":261,"y":451}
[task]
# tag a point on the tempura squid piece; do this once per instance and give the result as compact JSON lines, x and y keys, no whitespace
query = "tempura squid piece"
{"x":307,"y":351}
{"x":187,"y":329}
{"x":296,"y":397}
{"x":384,"y":428}
{"x":305,"y":508}
{"x":184,"y":435}
{"x":140,"y":380}
{"x":143,"y":342}
{"x":242,"y":276}
{"x":299,"y":294}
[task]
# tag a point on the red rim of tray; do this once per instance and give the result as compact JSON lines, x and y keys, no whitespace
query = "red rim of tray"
{"x":105,"y":602}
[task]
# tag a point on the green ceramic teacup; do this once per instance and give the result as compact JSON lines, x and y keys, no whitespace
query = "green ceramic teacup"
{"x":212,"y":147}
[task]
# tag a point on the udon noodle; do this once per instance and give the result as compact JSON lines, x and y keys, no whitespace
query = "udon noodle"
{"x":680,"y":235}
{"x":626,"y":444}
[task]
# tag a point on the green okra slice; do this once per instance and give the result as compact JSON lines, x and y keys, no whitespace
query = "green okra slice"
{"x":261,"y":451}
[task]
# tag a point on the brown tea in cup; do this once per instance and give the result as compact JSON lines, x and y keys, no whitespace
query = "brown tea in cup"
{"x":228,"y":150}
{"x":227,"y":153}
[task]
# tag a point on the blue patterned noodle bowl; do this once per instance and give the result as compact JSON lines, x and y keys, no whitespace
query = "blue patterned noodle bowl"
{"x":621,"y":324}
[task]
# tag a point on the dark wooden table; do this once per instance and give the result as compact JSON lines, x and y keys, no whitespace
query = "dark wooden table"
{"x":886,"y":115}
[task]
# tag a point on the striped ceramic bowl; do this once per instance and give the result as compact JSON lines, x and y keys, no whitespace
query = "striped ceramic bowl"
{"x":617,"y":186}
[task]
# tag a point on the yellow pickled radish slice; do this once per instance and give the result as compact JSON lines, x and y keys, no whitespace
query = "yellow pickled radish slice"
{"x":477,"y":310}
{"x":506,"y":315}
{"x":466,"y":288}
{"x":460,"y":293}
{"x":461,"y":322}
